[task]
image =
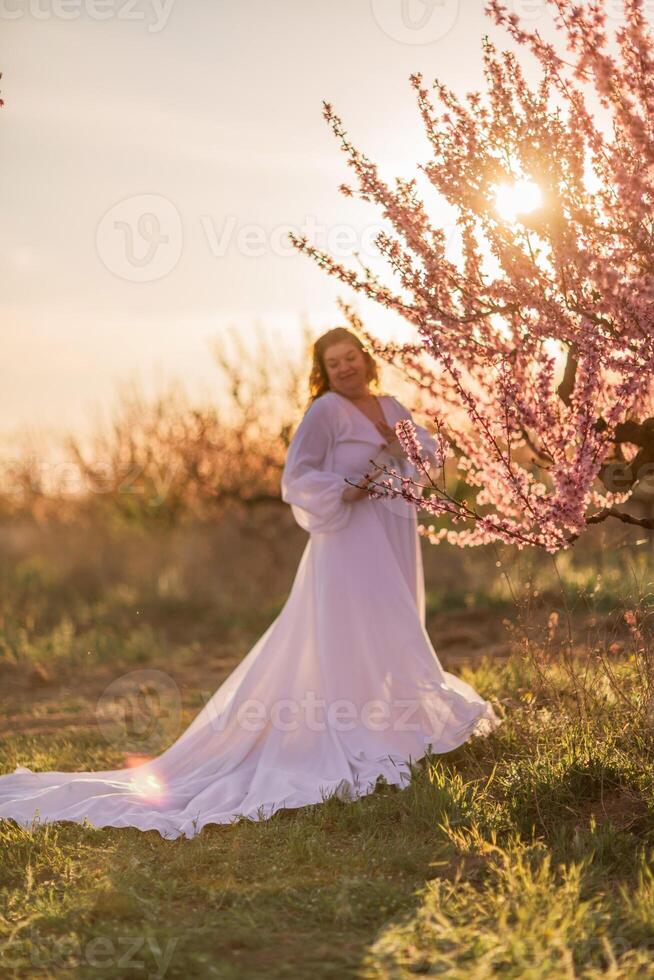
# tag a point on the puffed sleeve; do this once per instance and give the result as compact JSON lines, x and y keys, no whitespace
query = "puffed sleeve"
{"x":314,"y":493}
{"x":426,"y":440}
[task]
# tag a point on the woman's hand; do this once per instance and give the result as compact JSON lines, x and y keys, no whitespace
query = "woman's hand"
{"x":393,"y":445}
{"x":350,"y":494}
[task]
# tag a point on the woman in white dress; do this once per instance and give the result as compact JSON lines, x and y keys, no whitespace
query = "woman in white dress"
{"x":344,"y":686}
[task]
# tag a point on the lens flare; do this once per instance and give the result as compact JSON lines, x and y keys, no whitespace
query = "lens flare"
{"x":512,"y":200}
{"x":146,"y":784}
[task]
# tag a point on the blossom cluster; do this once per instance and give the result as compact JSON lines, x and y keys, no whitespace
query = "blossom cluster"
{"x":535,"y":341}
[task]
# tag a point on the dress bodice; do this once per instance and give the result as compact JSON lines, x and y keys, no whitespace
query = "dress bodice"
{"x":335,"y":442}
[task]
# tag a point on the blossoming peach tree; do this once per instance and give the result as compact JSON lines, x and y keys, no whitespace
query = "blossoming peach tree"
{"x":535,"y":341}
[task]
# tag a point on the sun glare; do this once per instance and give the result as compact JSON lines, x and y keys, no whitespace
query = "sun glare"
{"x":147,"y":784}
{"x":512,"y":200}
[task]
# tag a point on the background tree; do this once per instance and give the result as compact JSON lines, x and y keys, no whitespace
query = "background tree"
{"x":535,"y":343}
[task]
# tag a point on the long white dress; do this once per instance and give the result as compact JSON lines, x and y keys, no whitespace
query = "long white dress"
{"x":342,"y":688}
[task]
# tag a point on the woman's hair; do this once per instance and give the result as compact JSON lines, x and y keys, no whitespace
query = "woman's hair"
{"x":318,"y":379}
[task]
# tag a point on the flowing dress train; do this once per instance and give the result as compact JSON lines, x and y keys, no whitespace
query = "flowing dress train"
{"x":342,"y":688}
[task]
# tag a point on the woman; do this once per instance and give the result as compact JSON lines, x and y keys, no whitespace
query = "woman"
{"x":344,"y":686}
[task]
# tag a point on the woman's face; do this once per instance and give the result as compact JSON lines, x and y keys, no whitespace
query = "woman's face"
{"x":347,"y":369}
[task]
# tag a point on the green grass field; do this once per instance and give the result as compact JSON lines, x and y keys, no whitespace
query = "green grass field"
{"x":525,"y":854}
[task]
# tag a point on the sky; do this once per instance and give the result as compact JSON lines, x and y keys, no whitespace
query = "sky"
{"x":157,"y":151}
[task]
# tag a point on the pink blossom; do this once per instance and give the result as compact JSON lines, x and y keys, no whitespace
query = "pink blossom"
{"x":531,"y":443}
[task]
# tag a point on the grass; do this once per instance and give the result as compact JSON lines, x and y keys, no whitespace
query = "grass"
{"x":525,"y":854}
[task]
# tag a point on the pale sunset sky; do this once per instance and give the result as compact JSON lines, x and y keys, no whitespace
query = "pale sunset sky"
{"x":156,"y":152}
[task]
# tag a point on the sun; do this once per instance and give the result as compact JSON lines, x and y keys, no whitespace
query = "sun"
{"x":512,"y":200}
